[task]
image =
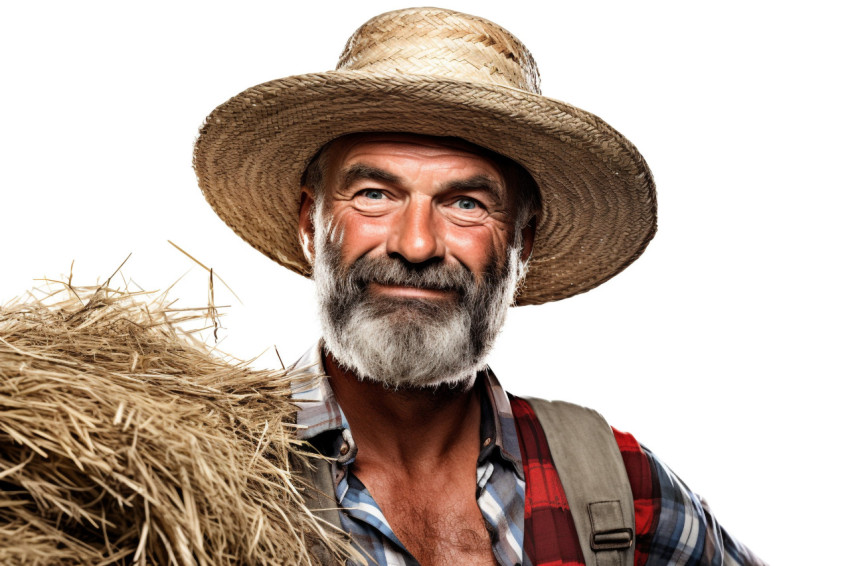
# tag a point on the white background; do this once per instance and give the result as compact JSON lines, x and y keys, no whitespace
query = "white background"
{"x":723,"y":348}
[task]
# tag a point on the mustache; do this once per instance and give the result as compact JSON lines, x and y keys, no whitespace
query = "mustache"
{"x":388,"y":270}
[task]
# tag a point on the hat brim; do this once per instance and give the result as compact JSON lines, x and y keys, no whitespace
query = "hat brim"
{"x":598,"y":195}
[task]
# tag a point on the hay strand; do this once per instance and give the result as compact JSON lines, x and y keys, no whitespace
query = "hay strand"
{"x":125,"y":440}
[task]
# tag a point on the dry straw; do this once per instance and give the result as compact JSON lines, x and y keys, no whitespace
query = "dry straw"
{"x":123,"y":440}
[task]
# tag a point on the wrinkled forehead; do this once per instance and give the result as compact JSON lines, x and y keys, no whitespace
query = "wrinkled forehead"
{"x":350,"y":146}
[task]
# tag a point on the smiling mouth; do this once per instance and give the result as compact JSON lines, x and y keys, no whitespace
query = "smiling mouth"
{"x":405,"y":291}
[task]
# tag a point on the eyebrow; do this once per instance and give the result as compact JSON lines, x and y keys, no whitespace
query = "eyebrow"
{"x":478,"y":183}
{"x":359,"y":172}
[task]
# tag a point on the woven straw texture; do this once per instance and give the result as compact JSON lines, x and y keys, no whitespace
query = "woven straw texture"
{"x":440,"y":73}
{"x":122,"y":441}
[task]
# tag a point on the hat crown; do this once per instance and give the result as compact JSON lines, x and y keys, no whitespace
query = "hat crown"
{"x":441,"y":43}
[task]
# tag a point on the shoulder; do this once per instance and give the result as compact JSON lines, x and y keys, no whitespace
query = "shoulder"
{"x":684,"y":529}
{"x":673,"y":525}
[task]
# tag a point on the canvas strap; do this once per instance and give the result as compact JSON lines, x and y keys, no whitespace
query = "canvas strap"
{"x":319,"y":498}
{"x":594,"y":478}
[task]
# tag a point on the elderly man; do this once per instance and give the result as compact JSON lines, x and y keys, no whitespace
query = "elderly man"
{"x":427,"y":185}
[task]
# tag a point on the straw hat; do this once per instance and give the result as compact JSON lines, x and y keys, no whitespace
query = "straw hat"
{"x":440,"y":73}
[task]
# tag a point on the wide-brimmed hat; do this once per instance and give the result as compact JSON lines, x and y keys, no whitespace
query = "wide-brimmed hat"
{"x":439,"y":73}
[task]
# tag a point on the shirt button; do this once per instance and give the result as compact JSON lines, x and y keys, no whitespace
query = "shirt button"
{"x":487,"y":441}
{"x":343,"y":450}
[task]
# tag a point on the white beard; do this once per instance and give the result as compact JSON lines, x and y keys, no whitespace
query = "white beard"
{"x":404,"y":342}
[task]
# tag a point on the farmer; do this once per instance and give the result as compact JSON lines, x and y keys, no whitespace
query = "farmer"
{"x":426,"y":185}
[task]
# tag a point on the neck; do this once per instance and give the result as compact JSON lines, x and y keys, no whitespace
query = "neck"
{"x":410,"y":428}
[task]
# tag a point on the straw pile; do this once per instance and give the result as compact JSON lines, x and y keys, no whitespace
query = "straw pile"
{"x":122,"y":440}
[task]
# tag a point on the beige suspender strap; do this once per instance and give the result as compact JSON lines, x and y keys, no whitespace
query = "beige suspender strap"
{"x":594,"y":477}
{"x":319,"y":498}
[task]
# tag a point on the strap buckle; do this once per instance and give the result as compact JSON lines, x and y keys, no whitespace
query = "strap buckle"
{"x":609,"y":530}
{"x":619,"y":539}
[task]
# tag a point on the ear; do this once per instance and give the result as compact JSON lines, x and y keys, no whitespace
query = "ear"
{"x":306,"y":230}
{"x":528,"y":239}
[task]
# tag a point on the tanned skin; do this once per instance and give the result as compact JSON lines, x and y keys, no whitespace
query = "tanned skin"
{"x":421,"y":468}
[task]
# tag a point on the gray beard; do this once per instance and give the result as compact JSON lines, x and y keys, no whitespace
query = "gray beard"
{"x":406,"y":343}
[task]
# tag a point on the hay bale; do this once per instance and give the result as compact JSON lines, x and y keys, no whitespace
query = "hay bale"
{"x":123,"y":440}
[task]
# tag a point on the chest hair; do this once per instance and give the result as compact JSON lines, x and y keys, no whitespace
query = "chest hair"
{"x":442,"y":527}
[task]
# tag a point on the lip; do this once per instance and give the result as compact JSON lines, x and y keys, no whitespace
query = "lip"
{"x":411,"y":292}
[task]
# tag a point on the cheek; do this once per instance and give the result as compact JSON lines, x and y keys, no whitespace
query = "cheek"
{"x":476,"y":247}
{"x":361,"y":235}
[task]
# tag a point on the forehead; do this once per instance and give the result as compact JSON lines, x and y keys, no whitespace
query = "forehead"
{"x":399,"y":148}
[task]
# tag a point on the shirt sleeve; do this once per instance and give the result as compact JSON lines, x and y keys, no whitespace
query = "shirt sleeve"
{"x":686,"y":531}
{"x":674,"y":526}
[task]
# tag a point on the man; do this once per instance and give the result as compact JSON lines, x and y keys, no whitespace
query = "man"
{"x":427,"y":185}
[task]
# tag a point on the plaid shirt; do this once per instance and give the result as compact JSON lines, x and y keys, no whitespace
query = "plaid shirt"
{"x":672,"y":524}
{"x":532,"y":524}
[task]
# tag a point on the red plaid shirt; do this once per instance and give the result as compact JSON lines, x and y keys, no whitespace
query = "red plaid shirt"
{"x":550,"y":533}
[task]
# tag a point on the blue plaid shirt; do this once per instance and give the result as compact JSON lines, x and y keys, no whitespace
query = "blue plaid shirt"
{"x":685,"y":533}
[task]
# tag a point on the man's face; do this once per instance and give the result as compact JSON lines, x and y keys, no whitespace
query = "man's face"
{"x":416,"y":258}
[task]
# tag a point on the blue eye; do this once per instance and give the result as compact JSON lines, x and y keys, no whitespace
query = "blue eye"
{"x":466,"y":203}
{"x":373,"y":194}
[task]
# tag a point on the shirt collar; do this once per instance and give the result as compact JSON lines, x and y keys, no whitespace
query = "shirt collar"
{"x":497,"y":417}
{"x":319,"y":412}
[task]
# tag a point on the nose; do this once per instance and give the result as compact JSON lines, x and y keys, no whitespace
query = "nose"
{"x":415,"y":233}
